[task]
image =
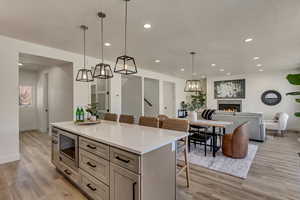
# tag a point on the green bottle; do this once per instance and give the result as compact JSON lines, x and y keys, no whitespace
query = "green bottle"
{"x":77,"y":114}
{"x":81,"y":115}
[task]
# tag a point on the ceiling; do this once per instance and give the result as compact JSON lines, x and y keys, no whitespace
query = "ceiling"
{"x":215,"y":29}
{"x":37,"y":63}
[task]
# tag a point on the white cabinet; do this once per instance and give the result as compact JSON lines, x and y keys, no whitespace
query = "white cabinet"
{"x":124,"y":185}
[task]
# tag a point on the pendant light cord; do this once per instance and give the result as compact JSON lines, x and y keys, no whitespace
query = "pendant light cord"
{"x":84,"y":61}
{"x":102,"y":51}
{"x":125,"y":50}
{"x":193,"y":54}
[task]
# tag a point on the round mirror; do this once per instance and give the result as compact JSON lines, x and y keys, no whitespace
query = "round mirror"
{"x":271,"y":97}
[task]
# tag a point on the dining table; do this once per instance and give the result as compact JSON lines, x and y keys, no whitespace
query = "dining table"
{"x":214,"y":124}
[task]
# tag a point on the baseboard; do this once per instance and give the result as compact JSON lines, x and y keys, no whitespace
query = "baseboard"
{"x":9,"y":158}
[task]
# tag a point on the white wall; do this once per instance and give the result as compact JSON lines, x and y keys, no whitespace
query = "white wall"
{"x":256,"y":84}
{"x":60,"y":95}
{"x":9,"y":118}
{"x":151,"y":93}
{"x":28,"y":114}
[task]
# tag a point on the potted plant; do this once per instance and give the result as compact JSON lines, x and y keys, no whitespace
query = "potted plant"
{"x":295,"y":80}
{"x":92,"y":110}
{"x":197,"y":102}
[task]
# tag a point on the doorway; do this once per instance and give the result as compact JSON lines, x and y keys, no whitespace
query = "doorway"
{"x":169,"y":99}
{"x":131,"y":96}
{"x":151,"y":97}
{"x":46,"y":92}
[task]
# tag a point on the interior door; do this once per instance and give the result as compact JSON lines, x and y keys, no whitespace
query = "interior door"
{"x":169,"y":99}
{"x":100,"y":95}
{"x":46,"y":101}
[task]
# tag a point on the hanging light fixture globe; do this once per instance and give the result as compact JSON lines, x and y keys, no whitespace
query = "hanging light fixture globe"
{"x":102,"y":70}
{"x":84,"y":74}
{"x":193,"y":85}
{"x":125,"y":64}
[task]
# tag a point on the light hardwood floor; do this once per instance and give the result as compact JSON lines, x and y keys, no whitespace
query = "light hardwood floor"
{"x":275,"y":174}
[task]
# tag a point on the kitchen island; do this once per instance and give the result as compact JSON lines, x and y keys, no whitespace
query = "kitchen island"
{"x":117,"y":161}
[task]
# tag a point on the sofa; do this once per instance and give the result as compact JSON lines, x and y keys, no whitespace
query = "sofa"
{"x":256,"y":127}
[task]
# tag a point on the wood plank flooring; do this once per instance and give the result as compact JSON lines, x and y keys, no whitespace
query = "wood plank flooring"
{"x":275,"y":174}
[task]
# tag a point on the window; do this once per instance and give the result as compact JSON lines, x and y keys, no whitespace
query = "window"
{"x":25,"y":95}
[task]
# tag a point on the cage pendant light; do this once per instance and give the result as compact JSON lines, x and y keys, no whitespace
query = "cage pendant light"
{"x":102,"y":70}
{"x":84,"y":74}
{"x":193,"y":85}
{"x":125,"y":64}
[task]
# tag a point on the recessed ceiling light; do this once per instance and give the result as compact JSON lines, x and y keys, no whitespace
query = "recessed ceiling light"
{"x":20,"y":64}
{"x":222,"y":70}
{"x":255,"y":58}
{"x":248,"y":40}
{"x":147,"y":26}
{"x":194,"y":74}
{"x":182,"y":69}
{"x":213,"y":65}
{"x":203,"y":76}
{"x":228,"y":73}
{"x":157,"y":61}
{"x":107,"y":44}
{"x":258,"y":65}
{"x":260,"y":70}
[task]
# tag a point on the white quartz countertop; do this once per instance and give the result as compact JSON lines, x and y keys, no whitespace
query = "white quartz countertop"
{"x":130,"y":137}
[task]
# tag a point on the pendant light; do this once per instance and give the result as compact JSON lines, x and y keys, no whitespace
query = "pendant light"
{"x":102,"y":70}
{"x":193,"y":85}
{"x":125,"y":64}
{"x":84,"y":75}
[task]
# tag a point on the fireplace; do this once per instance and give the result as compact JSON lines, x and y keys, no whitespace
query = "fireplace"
{"x":230,"y":105}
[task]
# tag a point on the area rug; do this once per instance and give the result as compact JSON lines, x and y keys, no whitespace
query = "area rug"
{"x":234,"y":167}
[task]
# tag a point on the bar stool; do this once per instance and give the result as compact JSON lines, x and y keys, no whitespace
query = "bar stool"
{"x":149,"y":121}
{"x":111,"y":117}
{"x":128,"y":119}
{"x":180,"y":125}
{"x":161,"y":119}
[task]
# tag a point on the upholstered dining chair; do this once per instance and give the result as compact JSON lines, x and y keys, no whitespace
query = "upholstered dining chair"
{"x":235,"y":145}
{"x":180,"y":125}
{"x":161,"y":119}
{"x":129,"y":119}
{"x":111,"y":117}
{"x":149,"y":121}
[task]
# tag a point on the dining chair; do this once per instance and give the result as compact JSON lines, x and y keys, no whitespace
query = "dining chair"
{"x":180,"y":125}
{"x":235,"y":145}
{"x":111,"y":117}
{"x":128,"y":119}
{"x":161,"y":119}
{"x":149,"y":121}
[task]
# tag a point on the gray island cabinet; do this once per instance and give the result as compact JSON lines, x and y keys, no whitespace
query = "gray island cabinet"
{"x":115,"y":161}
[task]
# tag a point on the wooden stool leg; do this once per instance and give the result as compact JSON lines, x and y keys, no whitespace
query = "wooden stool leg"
{"x":186,"y":162}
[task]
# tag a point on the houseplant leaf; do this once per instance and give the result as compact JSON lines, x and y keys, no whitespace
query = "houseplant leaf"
{"x":298,"y":100}
{"x":294,"y":79}
{"x":293,"y":93}
{"x":297,"y":114}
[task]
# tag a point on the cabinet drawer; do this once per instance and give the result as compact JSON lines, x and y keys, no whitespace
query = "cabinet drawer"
{"x":94,"y":165}
{"x":94,"y":188}
{"x":54,"y":131}
{"x":125,"y":159}
{"x":97,"y":148}
{"x":69,"y":173}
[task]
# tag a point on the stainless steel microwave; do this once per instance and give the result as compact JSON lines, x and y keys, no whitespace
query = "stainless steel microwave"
{"x":68,"y":149}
